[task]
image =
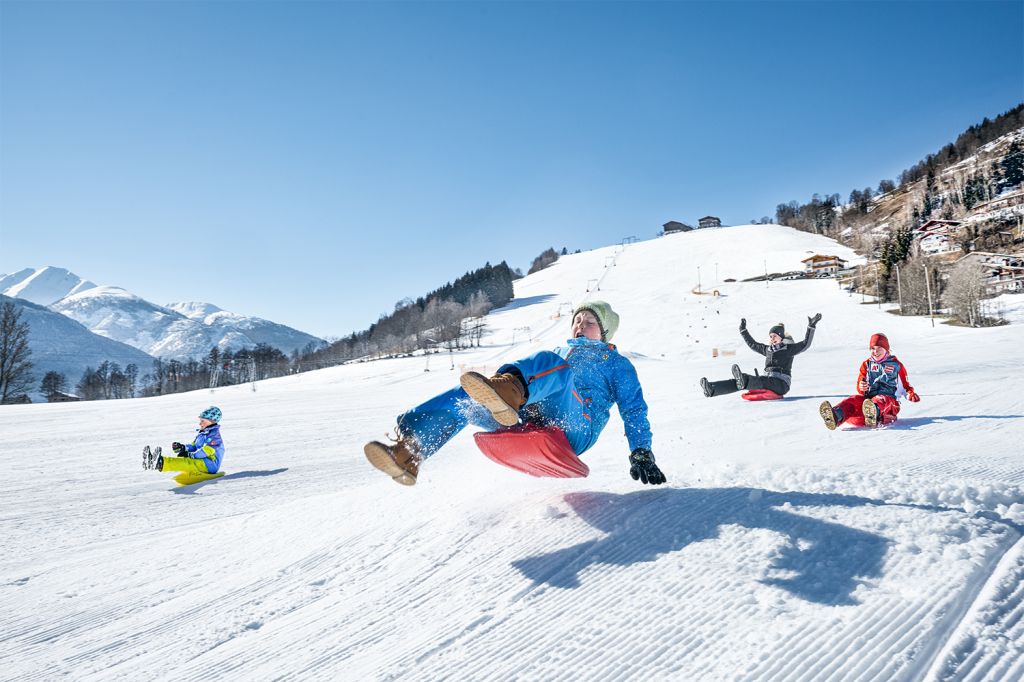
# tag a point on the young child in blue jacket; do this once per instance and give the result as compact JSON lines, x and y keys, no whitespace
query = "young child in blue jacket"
{"x":203,"y":455}
{"x":572,"y":388}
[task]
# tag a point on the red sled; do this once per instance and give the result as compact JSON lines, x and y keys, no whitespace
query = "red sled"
{"x":761,"y":394}
{"x":541,"y":451}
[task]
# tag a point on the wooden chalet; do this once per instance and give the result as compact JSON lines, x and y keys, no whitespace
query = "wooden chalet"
{"x":820,"y":265}
{"x":675,"y":226}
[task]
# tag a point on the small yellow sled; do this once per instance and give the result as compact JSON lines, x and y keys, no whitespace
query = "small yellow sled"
{"x":191,"y":477}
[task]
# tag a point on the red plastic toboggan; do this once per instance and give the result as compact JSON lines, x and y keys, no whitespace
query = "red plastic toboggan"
{"x":536,"y":450}
{"x":761,"y":394}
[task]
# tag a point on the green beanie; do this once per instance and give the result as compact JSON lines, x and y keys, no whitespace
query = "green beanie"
{"x":606,"y":317}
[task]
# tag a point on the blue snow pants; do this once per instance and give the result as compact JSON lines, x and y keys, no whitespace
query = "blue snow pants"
{"x":550,"y":389}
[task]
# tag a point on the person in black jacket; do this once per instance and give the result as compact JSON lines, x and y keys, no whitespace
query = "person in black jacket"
{"x":778,"y":362}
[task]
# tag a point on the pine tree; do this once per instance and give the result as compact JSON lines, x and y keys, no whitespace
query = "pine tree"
{"x":1012,"y":166}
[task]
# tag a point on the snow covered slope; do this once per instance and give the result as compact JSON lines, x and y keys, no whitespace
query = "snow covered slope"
{"x":777,"y":551}
{"x":43,"y":285}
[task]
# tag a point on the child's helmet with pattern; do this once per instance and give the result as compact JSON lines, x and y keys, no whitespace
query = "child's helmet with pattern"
{"x":211,"y":413}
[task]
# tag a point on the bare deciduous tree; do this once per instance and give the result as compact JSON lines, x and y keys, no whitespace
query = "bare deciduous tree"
{"x":965,"y":292}
{"x":53,"y":383}
{"x":15,"y":367}
{"x":910,"y":287}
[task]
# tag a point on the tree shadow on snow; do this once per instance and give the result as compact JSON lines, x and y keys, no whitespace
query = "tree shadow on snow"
{"x":525,"y":301}
{"x":822,"y":562}
{"x":190,"y":489}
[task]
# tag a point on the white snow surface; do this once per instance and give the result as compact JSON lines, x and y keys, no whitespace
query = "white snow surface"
{"x":778,"y":550}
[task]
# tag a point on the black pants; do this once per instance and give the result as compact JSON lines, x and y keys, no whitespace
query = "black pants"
{"x":727,"y":386}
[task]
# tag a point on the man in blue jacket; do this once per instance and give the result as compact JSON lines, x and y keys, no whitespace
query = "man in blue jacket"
{"x":572,"y":388}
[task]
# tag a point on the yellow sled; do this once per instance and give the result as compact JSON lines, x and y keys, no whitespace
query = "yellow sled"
{"x":191,"y":477}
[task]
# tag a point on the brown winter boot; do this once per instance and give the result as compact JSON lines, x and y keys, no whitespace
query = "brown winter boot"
{"x":400,"y":461}
{"x":828,"y":415}
{"x":870,"y":411}
{"x":502,"y":394}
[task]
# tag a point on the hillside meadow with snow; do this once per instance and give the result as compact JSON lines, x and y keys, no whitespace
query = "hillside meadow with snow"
{"x":778,"y":550}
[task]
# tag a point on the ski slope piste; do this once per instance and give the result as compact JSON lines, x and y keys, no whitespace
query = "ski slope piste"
{"x":777,"y":550}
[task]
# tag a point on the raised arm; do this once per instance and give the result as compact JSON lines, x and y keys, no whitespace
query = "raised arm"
{"x":759,"y":348}
{"x":806,"y":343}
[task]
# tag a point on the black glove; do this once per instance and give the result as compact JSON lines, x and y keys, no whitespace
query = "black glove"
{"x":643,"y":468}
{"x":743,"y":324}
{"x":179,"y":449}
{"x":812,"y":321}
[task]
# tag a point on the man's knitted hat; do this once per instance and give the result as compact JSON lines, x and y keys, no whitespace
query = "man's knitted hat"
{"x":606,"y":317}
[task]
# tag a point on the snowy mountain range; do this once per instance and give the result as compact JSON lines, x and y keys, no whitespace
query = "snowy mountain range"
{"x":176,"y":331}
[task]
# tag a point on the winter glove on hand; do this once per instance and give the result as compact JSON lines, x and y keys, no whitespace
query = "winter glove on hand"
{"x":812,"y":321}
{"x":913,"y":397}
{"x":743,"y":324}
{"x":643,"y":468}
{"x":179,"y":449}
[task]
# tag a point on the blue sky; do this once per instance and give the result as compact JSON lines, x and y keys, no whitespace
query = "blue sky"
{"x":313,"y":163}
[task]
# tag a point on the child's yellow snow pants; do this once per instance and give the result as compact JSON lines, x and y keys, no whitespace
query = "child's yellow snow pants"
{"x":192,"y":466}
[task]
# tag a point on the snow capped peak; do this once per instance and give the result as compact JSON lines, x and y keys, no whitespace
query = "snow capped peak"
{"x":105,"y":292}
{"x":195,"y":310}
{"x":44,"y":285}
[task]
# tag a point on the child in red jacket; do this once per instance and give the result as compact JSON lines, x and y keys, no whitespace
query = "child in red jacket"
{"x":877,"y":384}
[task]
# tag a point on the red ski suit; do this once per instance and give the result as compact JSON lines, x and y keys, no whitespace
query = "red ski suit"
{"x":881,"y":376}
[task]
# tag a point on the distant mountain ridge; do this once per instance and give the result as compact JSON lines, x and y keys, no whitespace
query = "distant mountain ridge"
{"x":176,"y":331}
{"x":62,"y":345}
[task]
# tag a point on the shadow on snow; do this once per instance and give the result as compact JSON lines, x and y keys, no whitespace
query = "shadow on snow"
{"x":190,"y":489}
{"x":917,"y":422}
{"x":822,"y":562}
{"x":525,"y":301}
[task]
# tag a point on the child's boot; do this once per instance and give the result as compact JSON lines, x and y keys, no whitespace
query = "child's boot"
{"x":706,"y":386}
{"x":832,"y":416}
{"x":400,"y":461}
{"x":502,"y":394}
{"x":159,"y":463}
{"x":871,"y":413}
{"x":147,"y":457}
{"x":740,"y":377}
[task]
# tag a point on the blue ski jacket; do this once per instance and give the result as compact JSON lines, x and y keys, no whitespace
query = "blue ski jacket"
{"x":209,"y":447}
{"x":604,"y":378}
